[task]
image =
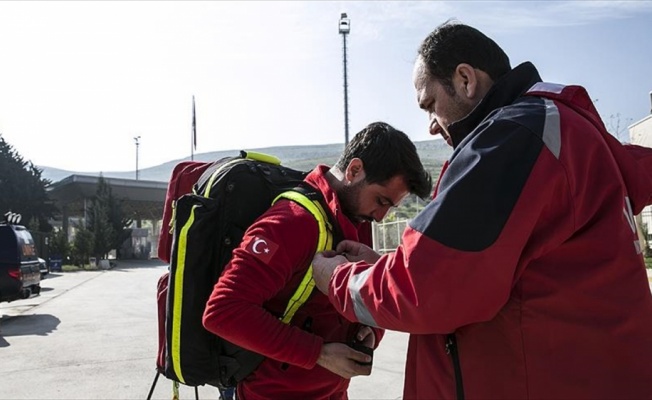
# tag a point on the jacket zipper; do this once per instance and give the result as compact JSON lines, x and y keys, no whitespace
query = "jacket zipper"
{"x":451,"y":348}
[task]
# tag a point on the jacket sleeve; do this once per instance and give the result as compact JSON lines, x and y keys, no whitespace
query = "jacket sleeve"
{"x":365,"y":236}
{"x":458,"y":260}
{"x":235,"y":309}
{"x":642,"y":196}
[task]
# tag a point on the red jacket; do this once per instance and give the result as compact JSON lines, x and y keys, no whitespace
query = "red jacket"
{"x":253,"y":292}
{"x":523,"y":278}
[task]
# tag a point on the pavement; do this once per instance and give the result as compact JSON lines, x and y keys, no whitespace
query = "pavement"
{"x":93,"y":335}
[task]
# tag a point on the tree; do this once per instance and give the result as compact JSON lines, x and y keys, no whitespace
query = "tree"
{"x":22,"y":189}
{"x":107,"y":220}
{"x":118,"y":220}
{"x":98,"y":224}
{"x":82,"y":246}
{"x":618,"y":128}
{"x":59,"y":245}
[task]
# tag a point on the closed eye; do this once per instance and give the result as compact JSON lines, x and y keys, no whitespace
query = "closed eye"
{"x":384,"y":202}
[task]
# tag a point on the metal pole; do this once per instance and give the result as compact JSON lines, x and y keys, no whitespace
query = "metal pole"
{"x":344,"y":29}
{"x":137,"y":140}
{"x":346,"y":97}
{"x":193,"y":139}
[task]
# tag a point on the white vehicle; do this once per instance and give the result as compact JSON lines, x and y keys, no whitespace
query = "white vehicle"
{"x":43,"y":267}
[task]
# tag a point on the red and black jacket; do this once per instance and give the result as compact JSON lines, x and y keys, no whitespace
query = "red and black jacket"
{"x":523,"y":278}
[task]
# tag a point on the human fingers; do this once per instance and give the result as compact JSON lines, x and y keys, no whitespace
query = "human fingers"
{"x":355,"y":252}
{"x":327,"y":261}
{"x":357,"y":369}
{"x":366,"y":336}
{"x":329,"y":253}
{"x":341,"y":360}
{"x":349,"y":247}
{"x":322,"y":269}
{"x":361,"y":362}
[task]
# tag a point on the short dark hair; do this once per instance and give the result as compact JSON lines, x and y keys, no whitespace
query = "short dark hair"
{"x":387,"y":152}
{"x":453,"y":43}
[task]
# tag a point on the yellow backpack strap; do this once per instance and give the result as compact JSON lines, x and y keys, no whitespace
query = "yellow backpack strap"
{"x":325,"y":242}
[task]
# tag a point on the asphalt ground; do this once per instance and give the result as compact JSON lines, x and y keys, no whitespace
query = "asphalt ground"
{"x":93,"y":335}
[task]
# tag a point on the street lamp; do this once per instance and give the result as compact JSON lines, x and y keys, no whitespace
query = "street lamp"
{"x":137,"y":140}
{"x":345,"y":28}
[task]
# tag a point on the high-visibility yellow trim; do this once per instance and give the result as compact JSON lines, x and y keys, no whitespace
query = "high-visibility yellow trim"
{"x":324,"y":242}
{"x":178,"y":295}
{"x":266,"y":158}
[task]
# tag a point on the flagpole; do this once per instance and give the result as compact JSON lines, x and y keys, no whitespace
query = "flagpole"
{"x":193,"y":138}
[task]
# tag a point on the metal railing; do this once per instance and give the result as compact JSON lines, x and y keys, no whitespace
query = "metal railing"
{"x":387,"y":235}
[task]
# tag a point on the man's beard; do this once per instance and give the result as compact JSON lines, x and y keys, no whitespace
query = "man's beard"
{"x":349,"y":197}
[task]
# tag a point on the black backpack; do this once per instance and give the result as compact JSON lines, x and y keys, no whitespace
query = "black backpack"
{"x":206,"y":226}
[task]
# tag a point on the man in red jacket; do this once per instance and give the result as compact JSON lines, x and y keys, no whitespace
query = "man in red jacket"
{"x":310,"y":358}
{"x":523,"y":278}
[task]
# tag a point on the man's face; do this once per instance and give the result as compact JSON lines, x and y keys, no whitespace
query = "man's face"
{"x":443,"y":108}
{"x":361,"y":201}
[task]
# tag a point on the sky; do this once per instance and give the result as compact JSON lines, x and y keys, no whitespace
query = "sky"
{"x":80,"y":80}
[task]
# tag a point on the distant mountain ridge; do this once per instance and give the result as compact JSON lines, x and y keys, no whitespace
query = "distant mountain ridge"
{"x":433,"y":153}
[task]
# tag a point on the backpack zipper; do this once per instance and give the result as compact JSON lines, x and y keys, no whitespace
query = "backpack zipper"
{"x":451,"y":349}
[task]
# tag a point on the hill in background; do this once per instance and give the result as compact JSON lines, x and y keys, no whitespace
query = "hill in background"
{"x":433,"y":153}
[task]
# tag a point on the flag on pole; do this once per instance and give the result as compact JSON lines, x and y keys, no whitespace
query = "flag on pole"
{"x":194,"y":125}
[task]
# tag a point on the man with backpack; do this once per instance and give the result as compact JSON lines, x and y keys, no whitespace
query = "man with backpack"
{"x":311,"y":357}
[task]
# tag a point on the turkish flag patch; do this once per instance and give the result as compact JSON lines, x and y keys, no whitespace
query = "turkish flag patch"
{"x":262,"y":248}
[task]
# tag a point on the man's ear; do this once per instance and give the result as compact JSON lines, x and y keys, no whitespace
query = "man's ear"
{"x":354,"y":172}
{"x":471,"y":83}
{"x":465,"y":81}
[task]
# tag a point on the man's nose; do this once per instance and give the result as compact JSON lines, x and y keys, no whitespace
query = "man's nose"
{"x":433,"y":126}
{"x":380,"y":213}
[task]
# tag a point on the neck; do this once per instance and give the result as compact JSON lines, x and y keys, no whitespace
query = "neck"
{"x":335,"y":178}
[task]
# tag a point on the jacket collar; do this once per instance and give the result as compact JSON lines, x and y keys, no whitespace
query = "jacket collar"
{"x":504,"y":91}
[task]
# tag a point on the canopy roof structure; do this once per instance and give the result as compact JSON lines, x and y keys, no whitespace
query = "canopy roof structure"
{"x":141,"y":199}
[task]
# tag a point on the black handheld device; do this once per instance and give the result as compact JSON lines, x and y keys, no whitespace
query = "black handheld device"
{"x":364,"y":349}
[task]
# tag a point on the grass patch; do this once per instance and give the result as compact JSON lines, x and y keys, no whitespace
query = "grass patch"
{"x":648,"y":262}
{"x":75,"y":268}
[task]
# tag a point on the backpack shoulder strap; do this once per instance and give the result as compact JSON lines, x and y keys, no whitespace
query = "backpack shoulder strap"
{"x":312,"y":201}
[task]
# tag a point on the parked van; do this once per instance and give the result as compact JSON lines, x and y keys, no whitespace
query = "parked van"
{"x":20,"y":275}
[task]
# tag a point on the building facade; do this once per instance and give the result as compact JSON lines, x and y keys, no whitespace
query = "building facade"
{"x":640,"y":133}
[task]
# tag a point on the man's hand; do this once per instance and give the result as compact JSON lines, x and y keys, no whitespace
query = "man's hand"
{"x":355,"y":252}
{"x":342,"y":360}
{"x":323,"y":265}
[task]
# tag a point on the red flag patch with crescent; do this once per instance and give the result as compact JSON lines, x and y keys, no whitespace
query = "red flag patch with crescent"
{"x":262,"y":248}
